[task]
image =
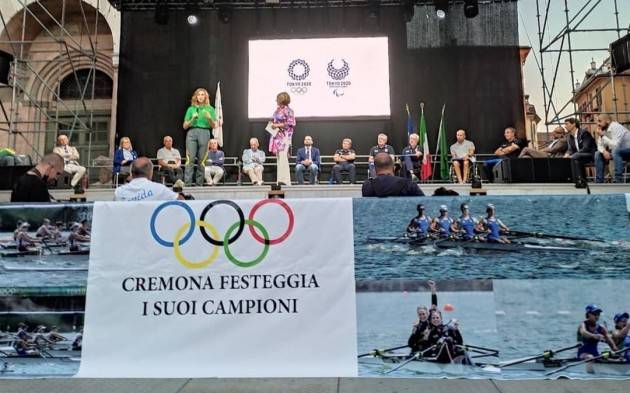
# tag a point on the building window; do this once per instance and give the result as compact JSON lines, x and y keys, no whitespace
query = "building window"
{"x":70,"y":90}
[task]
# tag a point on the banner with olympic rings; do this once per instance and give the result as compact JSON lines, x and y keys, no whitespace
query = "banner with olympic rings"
{"x":221,"y":289}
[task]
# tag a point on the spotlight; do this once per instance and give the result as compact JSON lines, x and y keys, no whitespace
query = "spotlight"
{"x":374,"y":8}
{"x":192,"y":19}
{"x":441,"y":8}
{"x":225,"y":14}
{"x":161,"y":13}
{"x":471,"y":8}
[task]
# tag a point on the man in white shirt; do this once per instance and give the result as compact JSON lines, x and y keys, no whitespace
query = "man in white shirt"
{"x":71,"y":162}
{"x":141,"y":188}
{"x":613,"y":144}
{"x":462,"y":152}
{"x":170,"y":161}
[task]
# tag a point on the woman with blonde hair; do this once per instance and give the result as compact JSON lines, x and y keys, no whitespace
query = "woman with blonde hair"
{"x":199,"y":120}
{"x":284,"y":122}
{"x":124,"y":156}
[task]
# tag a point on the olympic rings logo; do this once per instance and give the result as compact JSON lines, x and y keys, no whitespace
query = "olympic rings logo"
{"x":299,"y":90}
{"x":211,"y":235}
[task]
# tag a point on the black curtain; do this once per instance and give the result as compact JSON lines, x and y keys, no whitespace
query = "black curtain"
{"x":161,"y":65}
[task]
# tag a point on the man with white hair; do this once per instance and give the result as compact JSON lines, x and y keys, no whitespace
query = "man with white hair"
{"x":170,"y":161}
{"x":253,"y":159}
{"x":71,"y":162}
{"x":613,"y":144}
{"x":411,"y":157}
{"x":381,"y":147}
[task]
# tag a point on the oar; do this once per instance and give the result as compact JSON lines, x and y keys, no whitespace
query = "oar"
{"x":415,"y":356}
{"x":376,"y":352}
{"x":47,"y":246}
{"x":604,"y":355}
{"x":546,"y":354}
{"x":552,"y":236}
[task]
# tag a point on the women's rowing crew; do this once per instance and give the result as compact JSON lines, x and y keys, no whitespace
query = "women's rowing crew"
{"x":466,"y":227}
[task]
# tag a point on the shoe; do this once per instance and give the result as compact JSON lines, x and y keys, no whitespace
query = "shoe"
{"x":178,"y":184}
{"x":414,"y":178}
{"x":78,"y":189}
{"x":580,"y":183}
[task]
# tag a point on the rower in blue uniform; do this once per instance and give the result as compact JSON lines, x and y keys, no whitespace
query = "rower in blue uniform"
{"x":466,"y":224}
{"x":75,"y":238}
{"x":620,"y":334}
{"x":590,"y":333}
{"x":443,"y":225}
{"x":493,"y":226}
{"x":418,"y":228}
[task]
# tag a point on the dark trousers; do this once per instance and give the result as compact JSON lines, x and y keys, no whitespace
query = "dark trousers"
{"x":578,"y":165}
{"x":410,"y":165}
{"x":171,"y":175}
{"x":346,"y":167}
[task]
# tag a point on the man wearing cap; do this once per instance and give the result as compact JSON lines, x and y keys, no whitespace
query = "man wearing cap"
{"x":493,"y":226}
{"x":555,"y":148}
{"x":443,"y":224}
{"x":418,"y":228}
{"x":620,"y":333}
{"x":590,"y":333}
{"x":387,"y":184}
{"x":466,"y":224}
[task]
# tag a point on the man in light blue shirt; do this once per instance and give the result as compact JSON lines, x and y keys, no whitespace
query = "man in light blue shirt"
{"x":613,"y":144}
{"x":253,"y":160}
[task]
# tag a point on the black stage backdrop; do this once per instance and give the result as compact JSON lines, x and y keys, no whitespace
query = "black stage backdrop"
{"x":161,"y":65}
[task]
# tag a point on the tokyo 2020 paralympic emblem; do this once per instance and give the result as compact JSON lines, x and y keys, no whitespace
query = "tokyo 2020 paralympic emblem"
{"x":211,"y":235}
{"x":338,"y":73}
{"x":298,"y":69}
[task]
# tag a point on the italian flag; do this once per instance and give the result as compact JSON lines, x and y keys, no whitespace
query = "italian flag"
{"x":425,"y":171}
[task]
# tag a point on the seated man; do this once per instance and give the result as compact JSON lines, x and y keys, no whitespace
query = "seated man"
{"x":214,"y":163}
{"x":385,"y":183}
{"x":581,"y":148}
{"x":613,"y":144}
{"x":461,"y":153}
{"x":411,"y":157}
{"x":71,"y":165}
{"x":307,"y":158}
{"x":33,"y":185}
{"x":141,"y":188}
{"x":170,"y":161}
{"x":344,"y":159}
{"x":381,"y":147}
{"x":253,"y":159}
{"x":510,"y":148}
{"x":555,"y":148}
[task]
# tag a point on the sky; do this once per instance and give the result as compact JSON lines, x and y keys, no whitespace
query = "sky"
{"x":602,"y":17}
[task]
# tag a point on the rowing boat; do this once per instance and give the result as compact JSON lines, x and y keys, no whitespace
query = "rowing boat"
{"x":13,"y":245}
{"x":474,"y":244}
{"x":42,"y":251}
{"x":599,"y":367}
{"x":11,"y":268}
{"x":389,"y":361}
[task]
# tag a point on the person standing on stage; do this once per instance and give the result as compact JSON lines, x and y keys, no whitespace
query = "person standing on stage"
{"x":199,"y":120}
{"x":280,"y":143}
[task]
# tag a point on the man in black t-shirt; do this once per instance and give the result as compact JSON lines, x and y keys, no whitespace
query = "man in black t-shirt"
{"x":386,"y":183}
{"x":381,"y":147}
{"x":344,"y":159}
{"x":510,"y":148}
{"x":33,"y":185}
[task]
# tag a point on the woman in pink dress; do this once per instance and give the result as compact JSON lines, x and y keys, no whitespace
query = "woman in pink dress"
{"x":284,"y":122}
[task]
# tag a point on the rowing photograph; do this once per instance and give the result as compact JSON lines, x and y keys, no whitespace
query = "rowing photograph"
{"x":44,"y":245}
{"x":563,"y":328}
{"x":427,"y":329}
{"x":500,"y":237}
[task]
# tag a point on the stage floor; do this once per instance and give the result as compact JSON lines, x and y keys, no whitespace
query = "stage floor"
{"x":352,"y":191}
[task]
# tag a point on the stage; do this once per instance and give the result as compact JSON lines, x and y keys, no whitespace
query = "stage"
{"x":352,"y":191}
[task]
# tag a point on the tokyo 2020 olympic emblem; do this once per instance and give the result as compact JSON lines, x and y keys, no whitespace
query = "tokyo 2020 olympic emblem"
{"x":211,"y":235}
{"x":338,"y":73}
{"x":298,"y":69}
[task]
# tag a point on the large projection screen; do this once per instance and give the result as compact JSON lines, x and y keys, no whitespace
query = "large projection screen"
{"x":326,"y":77}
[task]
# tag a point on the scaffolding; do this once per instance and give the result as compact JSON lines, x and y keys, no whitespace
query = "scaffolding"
{"x":553,"y":49}
{"x":36,"y":121}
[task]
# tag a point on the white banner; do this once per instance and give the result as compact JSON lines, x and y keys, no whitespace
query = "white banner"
{"x":221,"y":289}
{"x":325,"y":77}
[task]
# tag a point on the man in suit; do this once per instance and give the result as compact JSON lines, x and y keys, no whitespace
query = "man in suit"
{"x":555,"y":148}
{"x":307,"y":159}
{"x":581,"y":149}
{"x":385,"y":183}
